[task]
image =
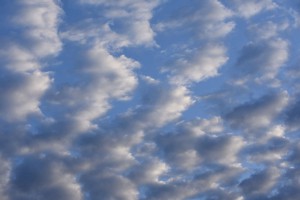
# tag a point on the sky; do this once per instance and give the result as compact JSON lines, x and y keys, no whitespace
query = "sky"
{"x":149,"y":99}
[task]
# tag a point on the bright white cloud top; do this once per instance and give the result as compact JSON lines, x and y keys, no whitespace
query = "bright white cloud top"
{"x":149,"y":100}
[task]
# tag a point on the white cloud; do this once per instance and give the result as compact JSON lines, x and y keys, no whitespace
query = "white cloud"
{"x":268,"y":30}
{"x":212,"y":17}
{"x":23,"y":83}
{"x":168,"y":104}
{"x":108,"y":186}
{"x":206,"y":19}
{"x":199,"y":126}
{"x":18,"y":59}
{"x":250,"y":8}
{"x":148,"y":171}
{"x":21,"y":97}
{"x":38,"y":21}
{"x":129,"y":20}
{"x":202,"y":64}
{"x":102,"y":77}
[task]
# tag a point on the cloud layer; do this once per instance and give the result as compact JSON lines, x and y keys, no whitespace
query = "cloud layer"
{"x":156,"y":100}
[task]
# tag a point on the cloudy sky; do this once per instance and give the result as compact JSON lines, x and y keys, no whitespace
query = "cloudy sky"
{"x":149,"y":99}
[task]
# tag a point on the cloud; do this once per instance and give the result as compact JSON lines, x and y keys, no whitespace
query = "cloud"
{"x":116,"y":140}
{"x":21,"y":94}
{"x":292,"y":9}
{"x":168,"y":104}
{"x":289,"y":183}
{"x":268,"y":30}
{"x":129,"y":20}
{"x":258,"y":113}
{"x":164,"y":191}
{"x":271,"y":151}
{"x":292,"y":115}
{"x":108,"y":186}
{"x":43,"y":178}
{"x":101,"y":77}
{"x":134,"y":100}
{"x":172,"y":102}
{"x":4,"y":177}
{"x":192,"y":144}
{"x":209,"y":148}
{"x":206,"y":19}
{"x":204,"y":184}
{"x":148,"y":171}
{"x":263,"y":59}
{"x":36,"y":23}
{"x":260,"y":182}
{"x":253,"y":7}
{"x":200,"y":65}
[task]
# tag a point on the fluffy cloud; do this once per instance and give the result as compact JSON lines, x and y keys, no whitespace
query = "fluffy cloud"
{"x":37,"y":24}
{"x":172,"y":101}
{"x":22,"y":97}
{"x":38,"y":20}
{"x":114,"y":143}
{"x":205,"y":21}
{"x":101,"y":77}
{"x":192,"y":144}
{"x":202,"y":64}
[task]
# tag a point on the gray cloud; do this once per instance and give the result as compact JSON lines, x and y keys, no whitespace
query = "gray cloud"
{"x":4,"y":177}
{"x":293,"y":115}
{"x":106,"y":185}
{"x":43,"y":178}
{"x":258,"y":113}
{"x":262,"y":59}
{"x":260,"y":182}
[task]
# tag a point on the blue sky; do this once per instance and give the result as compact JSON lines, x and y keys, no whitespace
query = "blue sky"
{"x":149,"y":99}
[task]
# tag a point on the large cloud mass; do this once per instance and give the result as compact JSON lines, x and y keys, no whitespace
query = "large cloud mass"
{"x":154,"y":100}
